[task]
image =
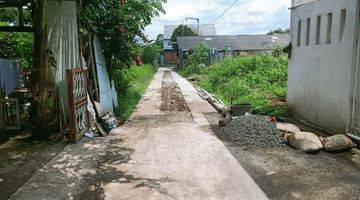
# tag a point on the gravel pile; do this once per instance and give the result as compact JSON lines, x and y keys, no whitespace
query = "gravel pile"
{"x":254,"y":132}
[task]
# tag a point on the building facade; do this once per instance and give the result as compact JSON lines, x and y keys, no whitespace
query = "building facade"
{"x":323,"y":77}
{"x":171,"y":56}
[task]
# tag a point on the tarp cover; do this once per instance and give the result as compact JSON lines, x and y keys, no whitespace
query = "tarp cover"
{"x":62,"y":29}
{"x":106,"y":88}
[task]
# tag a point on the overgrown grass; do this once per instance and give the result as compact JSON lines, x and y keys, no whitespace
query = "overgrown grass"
{"x":258,"y":79}
{"x":136,"y":80}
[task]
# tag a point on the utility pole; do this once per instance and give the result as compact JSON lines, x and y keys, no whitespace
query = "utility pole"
{"x":198,"y":26}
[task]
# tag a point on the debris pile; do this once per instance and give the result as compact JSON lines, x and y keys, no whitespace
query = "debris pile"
{"x":254,"y":132}
{"x":305,"y":141}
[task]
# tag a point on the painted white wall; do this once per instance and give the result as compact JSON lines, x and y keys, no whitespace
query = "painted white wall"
{"x":319,"y":77}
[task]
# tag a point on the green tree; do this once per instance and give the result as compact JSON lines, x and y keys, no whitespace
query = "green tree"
{"x":17,"y":45}
{"x":150,"y":54}
{"x":117,"y":24}
{"x":279,"y":31}
{"x":182,"y":31}
{"x":160,"y":40}
{"x":201,"y":55}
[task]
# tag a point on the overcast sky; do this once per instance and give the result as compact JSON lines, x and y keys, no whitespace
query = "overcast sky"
{"x":245,"y":17}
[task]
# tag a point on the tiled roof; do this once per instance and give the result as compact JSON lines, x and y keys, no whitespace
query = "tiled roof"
{"x":236,"y":42}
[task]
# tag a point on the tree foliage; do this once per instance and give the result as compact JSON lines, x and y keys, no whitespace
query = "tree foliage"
{"x":117,"y":24}
{"x":201,"y":55}
{"x":279,"y":31}
{"x":17,"y":45}
{"x":160,"y":40}
{"x":182,"y":31}
{"x":150,"y":54}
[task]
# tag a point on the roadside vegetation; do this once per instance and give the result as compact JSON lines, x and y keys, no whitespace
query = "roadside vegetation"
{"x":256,"y":79}
{"x":134,"y":81}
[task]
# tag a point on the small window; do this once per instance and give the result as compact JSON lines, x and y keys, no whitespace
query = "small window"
{"x":318,"y":30}
{"x":308,"y":24}
{"x":329,"y":28}
{"x":342,"y":25}
{"x":299,"y":34}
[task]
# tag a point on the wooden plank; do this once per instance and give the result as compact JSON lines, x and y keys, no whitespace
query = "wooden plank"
{"x":70,"y":78}
{"x":16,"y":29}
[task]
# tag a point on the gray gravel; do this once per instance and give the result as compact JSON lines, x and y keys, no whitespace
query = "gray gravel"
{"x":254,"y":132}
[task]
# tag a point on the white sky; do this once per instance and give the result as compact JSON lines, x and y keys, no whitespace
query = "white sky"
{"x":246,"y":17}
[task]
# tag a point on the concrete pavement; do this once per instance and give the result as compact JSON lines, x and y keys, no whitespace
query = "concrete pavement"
{"x":155,"y":155}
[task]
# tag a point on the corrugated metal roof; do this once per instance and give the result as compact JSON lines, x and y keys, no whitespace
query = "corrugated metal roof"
{"x":204,"y":30}
{"x":236,"y":42}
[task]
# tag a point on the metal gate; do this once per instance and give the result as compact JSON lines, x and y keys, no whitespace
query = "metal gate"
{"x":77,"y":92}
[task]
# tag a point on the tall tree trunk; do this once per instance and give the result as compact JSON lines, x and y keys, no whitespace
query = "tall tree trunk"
{"x":44,"y":106}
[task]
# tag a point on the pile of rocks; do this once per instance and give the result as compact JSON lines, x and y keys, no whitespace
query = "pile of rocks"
{"x":255,"y":132}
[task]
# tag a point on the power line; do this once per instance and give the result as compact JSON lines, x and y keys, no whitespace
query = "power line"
{"x":251,"y":23}
{"x":222,"y":14}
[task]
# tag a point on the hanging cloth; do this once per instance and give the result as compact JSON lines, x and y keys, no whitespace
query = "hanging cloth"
{"x":9,"y":75}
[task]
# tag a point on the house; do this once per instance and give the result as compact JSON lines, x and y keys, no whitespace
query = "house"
{"x":323,"y":77}
{"x":169,"y":52}
{"x":230,"y":45}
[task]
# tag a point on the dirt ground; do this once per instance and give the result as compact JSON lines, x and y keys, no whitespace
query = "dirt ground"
{"x":290,"y":174}
{"x":20,"y":158}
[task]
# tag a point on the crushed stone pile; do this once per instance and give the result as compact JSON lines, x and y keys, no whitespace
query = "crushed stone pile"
{"x":255,"y":132}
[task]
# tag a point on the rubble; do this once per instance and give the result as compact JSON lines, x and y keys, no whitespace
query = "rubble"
{"x":288,"y":128}
{"x":337,"y":143}
{"x":305,"y":141}
{"x":253,"y":131}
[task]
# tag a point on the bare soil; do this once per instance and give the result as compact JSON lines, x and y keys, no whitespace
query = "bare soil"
{"x":172,"y":99}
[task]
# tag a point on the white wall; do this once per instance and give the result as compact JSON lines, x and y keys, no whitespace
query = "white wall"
{"x":320,"y":75}
{"x":167,"y":44}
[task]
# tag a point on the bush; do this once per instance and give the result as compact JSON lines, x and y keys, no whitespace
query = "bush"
{"x":17,"y":45}
{"x":201,"y":55}
{"x":256,"y":79}
{"x":151,"y":54}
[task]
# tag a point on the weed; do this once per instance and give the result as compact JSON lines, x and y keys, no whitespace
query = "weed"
{"x":136,"y":79}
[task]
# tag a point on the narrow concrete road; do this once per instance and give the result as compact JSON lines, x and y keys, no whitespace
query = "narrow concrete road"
{"x":167,"y":150}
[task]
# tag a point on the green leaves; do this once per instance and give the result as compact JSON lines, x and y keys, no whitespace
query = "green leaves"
{"x":117,"y":25}
{"x":182,"y":31}
{"x":150,"y":54}
{"x":201,"y":55}
{"x":17,"y":45}
{"x":258,"y":79}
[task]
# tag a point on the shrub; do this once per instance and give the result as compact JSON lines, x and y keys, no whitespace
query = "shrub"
{"x":17,"y":45}
{"x":256,"y":79}
{"x":151,"y":54}
{"x":201,"y":55}
{"x":131,"y":83}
